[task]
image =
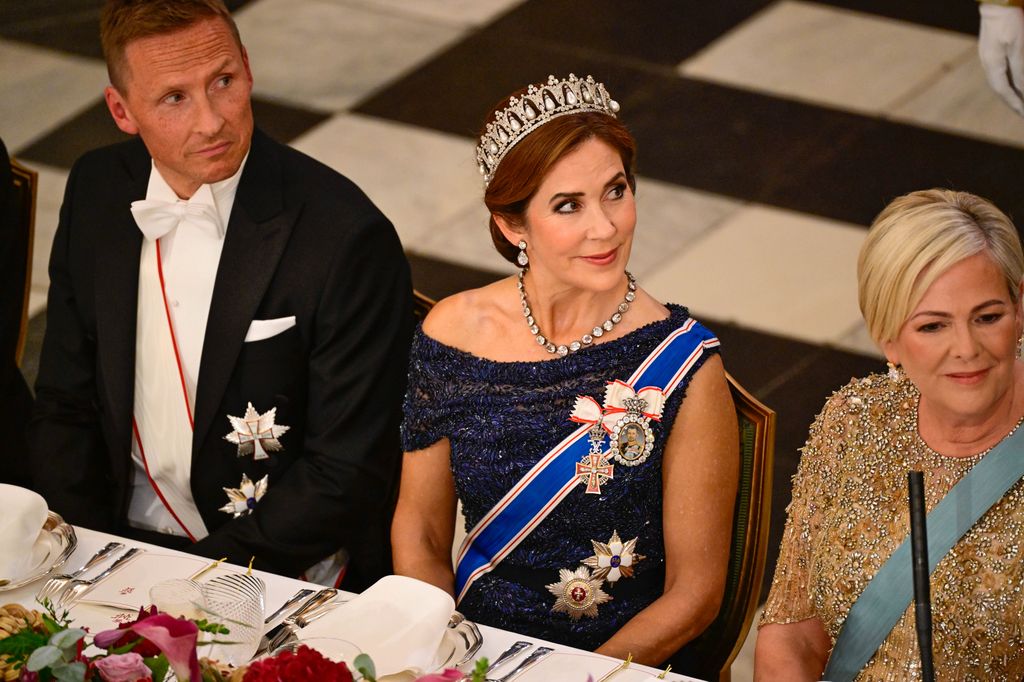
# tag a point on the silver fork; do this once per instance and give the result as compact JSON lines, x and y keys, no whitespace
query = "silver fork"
{"x":507,"y":655}
{"x":52,"y":587}
{"x":76,"y":587}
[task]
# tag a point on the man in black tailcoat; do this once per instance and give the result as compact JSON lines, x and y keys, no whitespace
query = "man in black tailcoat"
{"x":228,"y":322}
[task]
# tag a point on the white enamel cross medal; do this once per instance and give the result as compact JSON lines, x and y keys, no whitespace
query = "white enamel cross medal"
{"x":614,"y":559}
{"x":256,"y":434}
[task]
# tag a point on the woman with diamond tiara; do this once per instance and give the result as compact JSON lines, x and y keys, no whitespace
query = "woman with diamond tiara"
{"x":587,"y":429}
{"x":940,"y":289}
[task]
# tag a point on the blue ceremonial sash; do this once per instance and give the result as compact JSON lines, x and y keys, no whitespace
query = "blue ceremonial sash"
{"x":887,"y":596}
{"x":554,"y":476}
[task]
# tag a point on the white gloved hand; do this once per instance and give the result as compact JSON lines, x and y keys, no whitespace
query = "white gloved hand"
{"x":1001,"y":43}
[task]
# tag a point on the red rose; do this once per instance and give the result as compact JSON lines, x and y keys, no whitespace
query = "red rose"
{"x":304,"y":664}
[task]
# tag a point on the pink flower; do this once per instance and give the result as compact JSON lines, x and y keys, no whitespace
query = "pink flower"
{"x":123,"y":668}
{"x":176,"y":639}
{"x":446,"y":676}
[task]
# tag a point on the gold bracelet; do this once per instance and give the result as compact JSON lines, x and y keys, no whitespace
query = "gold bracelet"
{"x":1003,"y":3}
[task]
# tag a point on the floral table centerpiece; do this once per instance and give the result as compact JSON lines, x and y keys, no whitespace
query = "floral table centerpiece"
{"x":45,"y":646}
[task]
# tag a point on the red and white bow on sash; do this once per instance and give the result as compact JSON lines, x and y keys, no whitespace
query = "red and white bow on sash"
{"x":588,"y":411}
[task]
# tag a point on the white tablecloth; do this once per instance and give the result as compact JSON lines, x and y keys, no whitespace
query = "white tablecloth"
{"x":280,"y":588}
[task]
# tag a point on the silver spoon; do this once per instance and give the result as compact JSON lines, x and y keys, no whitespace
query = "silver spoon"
{"x":530,"y":661}
{"x":509,"y":654}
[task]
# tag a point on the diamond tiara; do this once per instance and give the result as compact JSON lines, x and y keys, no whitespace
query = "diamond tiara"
{"x":534,"y":108}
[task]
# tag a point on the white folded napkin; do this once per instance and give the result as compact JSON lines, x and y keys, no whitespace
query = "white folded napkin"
{"x":20,"y":527}
{"x":397,"y":621}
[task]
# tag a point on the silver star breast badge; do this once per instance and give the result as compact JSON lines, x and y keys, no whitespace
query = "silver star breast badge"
{"x":578,"y":593}
{"x":256,"y":434}
{"x":613,"y":560}
{"x":242,"y":500}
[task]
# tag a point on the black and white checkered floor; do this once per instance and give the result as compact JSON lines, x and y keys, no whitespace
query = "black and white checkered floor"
{"x":770,"y":132}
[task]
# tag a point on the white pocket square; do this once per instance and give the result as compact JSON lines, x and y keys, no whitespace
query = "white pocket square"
{"x":264,"y":329}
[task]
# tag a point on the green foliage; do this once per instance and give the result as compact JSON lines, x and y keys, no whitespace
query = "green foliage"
{"x":52,"y":654}
{"x":44,"y":657}
{"x":52,"y":619}
{"x":124,"y":648}
{"x":364,"y":665}
{"x":479,"y":673}
{"x":214,"y":628}
{"x":159,"y":665}
{"x":67,"y":639}
{"x":69,"y":672}
{"x":22,"y":643}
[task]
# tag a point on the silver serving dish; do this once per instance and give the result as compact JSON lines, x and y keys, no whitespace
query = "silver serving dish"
{"x":59,"y":541}
{"x":461,"y":640}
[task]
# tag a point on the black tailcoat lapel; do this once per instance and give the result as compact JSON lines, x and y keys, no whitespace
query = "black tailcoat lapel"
{"x":117,"y":285}
{"x":257,"y":234}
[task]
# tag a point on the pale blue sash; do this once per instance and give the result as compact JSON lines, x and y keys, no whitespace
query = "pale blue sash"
{"x":880,"y":606}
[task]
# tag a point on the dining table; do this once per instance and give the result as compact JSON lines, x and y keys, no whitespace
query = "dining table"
{"x":280,"y":588}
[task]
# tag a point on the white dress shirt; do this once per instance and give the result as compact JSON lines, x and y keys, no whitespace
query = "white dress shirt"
{"x":189,"y":257}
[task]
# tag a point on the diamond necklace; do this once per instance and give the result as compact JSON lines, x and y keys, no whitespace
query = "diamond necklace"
{"x":587,"y":339}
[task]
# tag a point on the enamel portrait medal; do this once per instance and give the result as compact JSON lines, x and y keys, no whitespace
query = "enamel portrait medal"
{"x":629,"y":416}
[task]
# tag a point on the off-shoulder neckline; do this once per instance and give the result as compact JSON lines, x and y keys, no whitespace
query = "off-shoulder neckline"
{"x":677,"y":313}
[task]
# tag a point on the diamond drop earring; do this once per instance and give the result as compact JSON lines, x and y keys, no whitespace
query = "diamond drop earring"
{"x":522,"y":258}
{"x":895,"y":373}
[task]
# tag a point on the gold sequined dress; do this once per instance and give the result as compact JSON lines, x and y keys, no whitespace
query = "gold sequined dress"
{"x":849,"y":513}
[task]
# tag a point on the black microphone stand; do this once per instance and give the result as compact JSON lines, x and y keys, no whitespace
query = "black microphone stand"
{"x":922,"y":585}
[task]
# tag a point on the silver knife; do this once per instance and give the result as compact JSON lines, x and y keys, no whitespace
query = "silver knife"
{"x":296,"y":620}
{"x":533,"y":659}
{"x":295,"y":599}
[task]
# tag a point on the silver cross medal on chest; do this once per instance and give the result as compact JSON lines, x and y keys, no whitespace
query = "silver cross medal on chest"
{"x":594,"y":470}
{"x":256,"y":434}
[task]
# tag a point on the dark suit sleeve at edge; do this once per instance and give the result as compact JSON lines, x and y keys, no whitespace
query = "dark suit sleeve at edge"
{"x":69,"y":463}
{"x":340,"y":492}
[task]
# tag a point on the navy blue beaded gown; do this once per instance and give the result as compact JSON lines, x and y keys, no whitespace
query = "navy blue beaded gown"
{"x":500,"y":418}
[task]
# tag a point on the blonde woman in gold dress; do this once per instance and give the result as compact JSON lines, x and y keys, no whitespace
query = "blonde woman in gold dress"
{"x":940,"y":289}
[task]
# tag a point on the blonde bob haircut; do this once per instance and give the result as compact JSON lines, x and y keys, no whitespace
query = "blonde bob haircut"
{"x":917,"y":238}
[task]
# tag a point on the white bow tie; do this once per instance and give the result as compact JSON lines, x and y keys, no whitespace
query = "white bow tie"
{"x":156,"y":218}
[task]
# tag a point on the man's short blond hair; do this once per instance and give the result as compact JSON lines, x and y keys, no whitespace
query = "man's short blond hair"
{"x":917,"y":238}
{"x":123,"y":21}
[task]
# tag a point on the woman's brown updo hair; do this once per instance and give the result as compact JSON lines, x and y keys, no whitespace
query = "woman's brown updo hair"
{"x":525,"y":166}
